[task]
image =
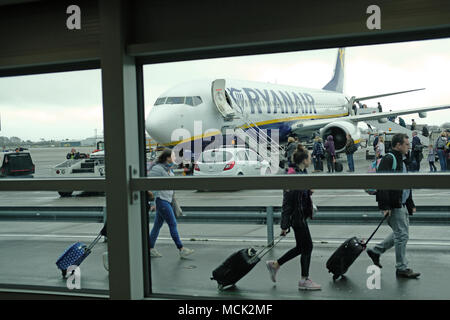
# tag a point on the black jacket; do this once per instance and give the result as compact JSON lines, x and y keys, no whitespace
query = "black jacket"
{"x":297,"y":206}
{"x":390,"y":199}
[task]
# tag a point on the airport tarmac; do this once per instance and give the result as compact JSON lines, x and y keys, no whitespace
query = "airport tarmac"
{"x":29,"y":251}
{"x":46,"y":158}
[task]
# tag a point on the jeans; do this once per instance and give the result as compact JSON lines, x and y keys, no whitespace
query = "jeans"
{"x":432,"y":167}
{"x":399,"y":222}
{"x":351,"y":164}
{"x":442,"y":160}
{"x":330,"y":164}
{"x":304,"y":246}
{"x":164,"y":212}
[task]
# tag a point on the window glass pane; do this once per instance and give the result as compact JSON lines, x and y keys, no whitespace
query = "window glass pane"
{"x":197,"y":101}
{"x":189,"y":101}
{"x":160,"y":101}
{"x":175,"y":100}
{"x":283,"y":95}
{"x":52,"y":127}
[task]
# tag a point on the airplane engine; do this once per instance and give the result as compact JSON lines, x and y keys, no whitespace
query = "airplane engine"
{"x":339,"y":130}
{"x":422,"y":114}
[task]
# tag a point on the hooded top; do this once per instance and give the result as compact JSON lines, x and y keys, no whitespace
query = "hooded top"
{"x":329,"y":145}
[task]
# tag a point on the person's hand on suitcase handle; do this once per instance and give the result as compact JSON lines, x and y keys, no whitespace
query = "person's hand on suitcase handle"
{"x":285,"y":232}
{"x":386,"y":213}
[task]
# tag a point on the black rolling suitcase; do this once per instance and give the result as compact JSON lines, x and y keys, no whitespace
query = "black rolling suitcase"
{"x":338,"y":167}
{"x":236,"y":266}
{"x":347,"y":253}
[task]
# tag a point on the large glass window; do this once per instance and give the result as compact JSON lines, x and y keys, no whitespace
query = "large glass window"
{"x":52,"y":127}
{"x":273,"y":104}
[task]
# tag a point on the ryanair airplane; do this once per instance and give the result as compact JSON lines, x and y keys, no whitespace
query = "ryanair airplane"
{"x":192,"y":113}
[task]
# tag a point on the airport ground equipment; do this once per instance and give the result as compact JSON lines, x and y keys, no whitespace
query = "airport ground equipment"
{"x":347,"y":253}
{"x":236,"y":266}
{"x":17,"y":164}
{"x":76,"y":254}
{"x":94,"y":166}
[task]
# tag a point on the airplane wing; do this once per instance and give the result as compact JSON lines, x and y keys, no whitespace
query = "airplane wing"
{"x":385,"y":95}
{"x":309,"y":125}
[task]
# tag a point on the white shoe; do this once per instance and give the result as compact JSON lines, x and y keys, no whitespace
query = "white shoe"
{"x":308,"y":284}
{"x":155,"y":254}
{"x":105,"y":261}
{"x":184,"y":252}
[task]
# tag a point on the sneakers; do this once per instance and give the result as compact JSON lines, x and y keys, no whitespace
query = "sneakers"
{"x":273,"y":269}
{"x":184,"y":252}
{"x":155,"y":254}
{"x":408,"y":273}
{"x":105,"y":261}
{"x":308,"y":284}
{"x":375,"y":258}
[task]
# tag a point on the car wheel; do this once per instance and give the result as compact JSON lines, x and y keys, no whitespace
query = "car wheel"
{"x":65,"y":194}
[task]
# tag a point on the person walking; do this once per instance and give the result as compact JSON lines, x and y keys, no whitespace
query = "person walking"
{"x":413,"y":125}
{"x":416,"y":151}
{"x":431,"y":158}
{"x":380,"y":108}
{"x":297,"y":207}
{"x":330,"y":153}
{"x":440,"y":145}
{"x":350,"y":149}
{"x":375,"y":142}
{"x":318,"y":154}
{"x":164,"y":210}
{"x":381,"y":148}
{"x":397,"y":205}
{"x":290,"y":149}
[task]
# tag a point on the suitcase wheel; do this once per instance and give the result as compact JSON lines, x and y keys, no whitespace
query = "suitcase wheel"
{"x":64,"y":273}
{"x":335,"y":277}
{"x":220,"y":287}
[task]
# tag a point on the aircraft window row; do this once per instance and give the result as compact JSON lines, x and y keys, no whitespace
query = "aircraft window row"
{"x":191,"y":101}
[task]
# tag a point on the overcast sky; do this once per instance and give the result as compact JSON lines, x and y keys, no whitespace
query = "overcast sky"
{"x":69,"y":105}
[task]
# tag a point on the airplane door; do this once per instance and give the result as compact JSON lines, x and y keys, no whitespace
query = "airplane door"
{"x":220,"y":100}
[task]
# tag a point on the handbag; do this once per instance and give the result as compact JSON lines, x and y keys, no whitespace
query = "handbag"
{"x":176,"y":207}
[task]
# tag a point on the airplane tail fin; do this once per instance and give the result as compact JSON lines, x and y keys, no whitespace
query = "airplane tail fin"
{"x":337,"y":82}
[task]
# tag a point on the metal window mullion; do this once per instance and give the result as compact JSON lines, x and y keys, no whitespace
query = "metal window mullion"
{"x":94,"y":184}
{"x":376,"y":181}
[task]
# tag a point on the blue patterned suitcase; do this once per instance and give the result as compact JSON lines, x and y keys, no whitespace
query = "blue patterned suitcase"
{"x":75,"y":255}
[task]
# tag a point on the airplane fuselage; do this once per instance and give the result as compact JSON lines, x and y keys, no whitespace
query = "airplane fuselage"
{"x":268,"y":106}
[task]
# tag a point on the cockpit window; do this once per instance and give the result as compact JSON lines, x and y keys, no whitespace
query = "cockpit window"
{"x":175,"y":100}
{"x":160,"y":101}
{"x":197,"y":100}
{"x":189,"y":101}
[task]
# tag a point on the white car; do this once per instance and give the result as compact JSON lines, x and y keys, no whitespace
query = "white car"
{"x":231,"y":162}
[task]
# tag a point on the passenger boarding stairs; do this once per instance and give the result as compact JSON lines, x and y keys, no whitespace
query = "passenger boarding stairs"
{"x":253,"y":136}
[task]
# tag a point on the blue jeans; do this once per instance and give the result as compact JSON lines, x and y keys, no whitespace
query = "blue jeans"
{"x":164,"y":212}
{"x":442,"y":160}
{"x":351,"y":164}
{"x":399,"y":223}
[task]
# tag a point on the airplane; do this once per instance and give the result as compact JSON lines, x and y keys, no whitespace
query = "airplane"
{"x":196,"y":113}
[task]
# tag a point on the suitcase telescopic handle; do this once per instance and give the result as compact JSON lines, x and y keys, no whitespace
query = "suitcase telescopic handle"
{"x":266,"y":249}
{"x":94,"y":242}
{"x":373,"y":233}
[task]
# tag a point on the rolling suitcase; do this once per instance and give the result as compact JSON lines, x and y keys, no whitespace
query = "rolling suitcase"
{"x":75,"y":254}
{"x":338,"y":167}
{"x":347,"y":253}
{"x":236,"y":266}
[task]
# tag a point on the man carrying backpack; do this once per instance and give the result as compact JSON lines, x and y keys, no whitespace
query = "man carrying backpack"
{"x":440,"y":149}
{"x":397,"y":205}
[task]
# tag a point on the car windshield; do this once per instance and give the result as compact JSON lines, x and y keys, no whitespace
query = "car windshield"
{"x":216,"y":156}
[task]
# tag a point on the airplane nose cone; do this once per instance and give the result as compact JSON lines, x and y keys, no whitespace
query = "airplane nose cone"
{"x":156,"y":125}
